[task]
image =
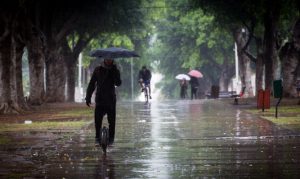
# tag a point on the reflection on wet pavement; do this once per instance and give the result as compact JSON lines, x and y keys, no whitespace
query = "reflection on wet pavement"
{"x":172,"y":139}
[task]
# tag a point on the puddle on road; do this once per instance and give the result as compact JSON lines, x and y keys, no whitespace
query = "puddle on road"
{"x":172,"y":139}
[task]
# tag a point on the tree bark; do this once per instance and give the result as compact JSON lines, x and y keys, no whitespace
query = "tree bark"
{"x":71,"y":58}
{"x":290,"y":61}
{"x":244,"y":61}
{"x":70,"y":61}
{"x":36,"y":61}
{"x":270,"y":56}
{"x":259,"y":65}
{"x":71,"y":80}
{"x":11,"y":89}
{"x":55,"y":76}
{"x":5,"y":80}
{"x":290,"y":57}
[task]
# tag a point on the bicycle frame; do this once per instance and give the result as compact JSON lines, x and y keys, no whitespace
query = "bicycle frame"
{"x":146,"y":92}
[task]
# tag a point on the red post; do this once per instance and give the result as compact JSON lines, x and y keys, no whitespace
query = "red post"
{"x":263,"y":99}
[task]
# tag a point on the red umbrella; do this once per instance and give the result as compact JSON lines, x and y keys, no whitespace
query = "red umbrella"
{"x":195,"y":73}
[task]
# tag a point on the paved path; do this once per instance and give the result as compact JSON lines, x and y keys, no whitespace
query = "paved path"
{"x":177,"y":139}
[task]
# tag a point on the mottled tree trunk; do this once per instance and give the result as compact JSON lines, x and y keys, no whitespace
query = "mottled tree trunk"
{"x":71,"y":79}
{"x":5,"y":67}
{"x":71,"y":55}
{"x":11,"y":98}
{"x":70,"y":61}
{"x":55,"y":76}
{"x":259,"y":65}
{"x":290,"y":62}
{"x":290,"y":57}
{"x":270,"y":56}
{"x":36,"y":61}
{"x":16,"y":105}
{"x":244,"y":61}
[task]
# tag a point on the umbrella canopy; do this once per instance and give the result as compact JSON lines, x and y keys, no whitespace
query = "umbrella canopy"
{"x":195,"y":73}
{"x":182,"y":76}
{"x":113,"y":52}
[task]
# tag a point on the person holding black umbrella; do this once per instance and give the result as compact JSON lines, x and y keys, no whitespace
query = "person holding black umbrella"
{"x":105,"y":77}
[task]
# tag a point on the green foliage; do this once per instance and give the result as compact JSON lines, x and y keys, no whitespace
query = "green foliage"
{"x":189,"y":39}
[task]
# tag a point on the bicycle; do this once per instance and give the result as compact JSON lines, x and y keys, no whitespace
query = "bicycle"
{"x":146,"y":92}
{"x":104,"y":138}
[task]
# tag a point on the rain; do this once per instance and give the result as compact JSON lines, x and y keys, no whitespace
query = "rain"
{"x":186,"y":88}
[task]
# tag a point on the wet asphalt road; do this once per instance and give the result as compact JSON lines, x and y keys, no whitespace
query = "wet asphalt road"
{"x":177,"y":139}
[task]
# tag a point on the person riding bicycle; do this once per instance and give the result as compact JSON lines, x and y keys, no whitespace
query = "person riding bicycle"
{"x":105,"y":77}
{"x":144,"y":79}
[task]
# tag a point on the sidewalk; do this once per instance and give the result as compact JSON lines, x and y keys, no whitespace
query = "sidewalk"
{"x":170,"y":139}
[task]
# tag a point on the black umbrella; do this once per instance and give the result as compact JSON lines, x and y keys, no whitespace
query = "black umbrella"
{"x":113,"y":52}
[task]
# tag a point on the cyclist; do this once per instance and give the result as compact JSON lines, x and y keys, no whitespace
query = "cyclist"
{"x":105,"y":77}
{"x":144,"y":79}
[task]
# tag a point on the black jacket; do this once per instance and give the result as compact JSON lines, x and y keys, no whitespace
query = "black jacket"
{"x":106,"y":79}
{"x":194,"y":82}
{"x":145,"y":75}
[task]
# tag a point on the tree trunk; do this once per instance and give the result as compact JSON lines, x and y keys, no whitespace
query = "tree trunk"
{"x":71,"y":80}
{"x":259,"y":65}
{"x":36,"y":61}
{"x":290,"y":57}
{"x":17,"y":96}
{"x":270,"y":56}
{"x":70,"y":61}
{"x":71,"y":55}
{"x":290,"y":62}
{"x":9,"y":91}
{"x":5,"y":67}
{"x":55,"y":76}
{"x":244,"y":62}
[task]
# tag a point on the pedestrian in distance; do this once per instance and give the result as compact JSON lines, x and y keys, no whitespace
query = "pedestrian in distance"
{"x":183,"y":88}
{"x":194,"y":87}
{"x":105,"y":77}
{"x":145,"y":79}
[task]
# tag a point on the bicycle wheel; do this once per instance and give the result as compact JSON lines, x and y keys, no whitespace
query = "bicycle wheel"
{"x":146,"y":94}
{"x":104,"y":138}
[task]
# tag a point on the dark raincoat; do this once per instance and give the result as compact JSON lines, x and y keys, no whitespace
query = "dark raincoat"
{"x":106,"y":78}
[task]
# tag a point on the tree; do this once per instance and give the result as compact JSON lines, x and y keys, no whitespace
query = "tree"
{"x":189,"y":39}
{"x":253,"y":15}
{"x":290,"y":56}
{"x":43,"y":28}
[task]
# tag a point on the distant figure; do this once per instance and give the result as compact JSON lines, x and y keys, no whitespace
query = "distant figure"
{"x":145,"y":79}
{"x":194,"y":87}
{"x":183,"y":88}
{"x":105,"y":77}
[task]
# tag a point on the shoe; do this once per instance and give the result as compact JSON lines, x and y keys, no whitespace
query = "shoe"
{"x":150,"y":97}
{"x":143,"y":89}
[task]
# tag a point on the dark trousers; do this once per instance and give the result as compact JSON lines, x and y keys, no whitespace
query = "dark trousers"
{"x":100,"y":111}
{"x":194,"y":92}
{"x":183,"y":92}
